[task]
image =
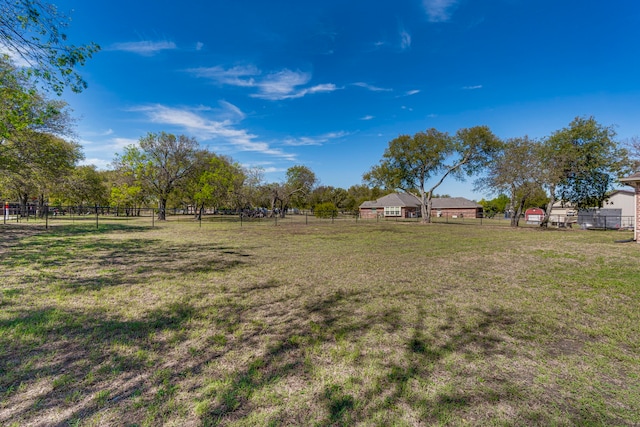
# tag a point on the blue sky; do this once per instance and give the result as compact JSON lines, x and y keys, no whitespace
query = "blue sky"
{"x":328,"y":84}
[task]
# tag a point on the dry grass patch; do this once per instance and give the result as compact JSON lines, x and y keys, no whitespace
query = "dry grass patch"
{"x":320,"y":324}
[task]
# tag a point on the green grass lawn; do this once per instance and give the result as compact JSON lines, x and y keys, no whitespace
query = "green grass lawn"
{"x":365,"y":323}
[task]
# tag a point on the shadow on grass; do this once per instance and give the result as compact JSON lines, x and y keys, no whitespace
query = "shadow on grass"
{"x":77,"y":259}
{"x":149,"y":369}
{"x":70,"y":356}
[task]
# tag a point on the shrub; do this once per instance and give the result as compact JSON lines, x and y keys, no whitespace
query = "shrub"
{"x":325,"y":210}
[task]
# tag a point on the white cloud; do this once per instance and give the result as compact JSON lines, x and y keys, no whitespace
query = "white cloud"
{"x":317,"y":140}
{"x":237,"y":76}
{"x":439,"y":10}
{"x":405,"y":39}
{"x":231,"y":110}
{"x":412,"y":92}
{"x":371,"y":87}
{"x":368,"y":117}
{"x":472,"y":87}
{"x":144,"y":48}
{"x":206,"y":129}
{"x":284,"y":84}
{"x":199,"y":45}
{"x":120,"y":143}
{"x":98,"y":163}
{"x":15,"y":57}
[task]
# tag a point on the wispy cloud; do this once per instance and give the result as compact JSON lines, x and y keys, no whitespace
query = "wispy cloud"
{"x":120,"y":143}
{"x":439,"y":10}
{"x":472,"y":87}
{"x":199,"y":45}
{"x":412,"y":92}
{"x":208,"y":129}
{"x":15,"y":57}
{"x":405,"y":39}
{"x":144,"y":48}
{"x":99,"y":163}
{"x":316,"y":140}
{"x":280,"y":85}
{"x":371,"y":87}
{"x":236,"y":76}
{"x":368,"y":117}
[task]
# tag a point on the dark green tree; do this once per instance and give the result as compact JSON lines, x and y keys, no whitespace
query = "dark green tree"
{"x":409,"y":163}
{"x":581,"y":163}
{"x":515,"y":170}
{"x":160,"y":164}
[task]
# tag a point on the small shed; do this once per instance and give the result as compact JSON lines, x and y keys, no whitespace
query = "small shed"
{"x":534,"y":215}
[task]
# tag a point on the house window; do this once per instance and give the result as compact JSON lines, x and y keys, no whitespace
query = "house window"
{"x":392,"y":211}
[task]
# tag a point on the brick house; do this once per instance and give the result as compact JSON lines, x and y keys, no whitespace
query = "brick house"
{"x":395,"y":205}
{"x":405,"y":205}
{"x":455,"y":207}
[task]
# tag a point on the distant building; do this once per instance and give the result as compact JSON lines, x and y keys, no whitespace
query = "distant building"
{"x":405,"y":205}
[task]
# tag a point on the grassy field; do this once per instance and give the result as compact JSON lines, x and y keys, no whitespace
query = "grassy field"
{"x":370,"y":324}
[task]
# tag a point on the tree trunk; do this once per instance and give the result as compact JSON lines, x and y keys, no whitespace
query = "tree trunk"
{"x":429,"y":206}
{"x":162,"y":209}
{"x":515,"y":220}
{"x":547,"y":213}
{"x":424,"y":211}
{"x":23,"y":204}
{"x":199,"y":212}
{"x":41,"y":207}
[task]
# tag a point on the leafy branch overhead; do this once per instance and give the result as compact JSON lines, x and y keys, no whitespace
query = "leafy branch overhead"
{"x":34,"y":31}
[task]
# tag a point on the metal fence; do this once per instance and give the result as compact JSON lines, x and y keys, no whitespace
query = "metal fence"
{"x":147,"y":216}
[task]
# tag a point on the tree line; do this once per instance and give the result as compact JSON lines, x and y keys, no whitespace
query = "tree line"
{"x":39,"y":159}
{"x":579,"y":164}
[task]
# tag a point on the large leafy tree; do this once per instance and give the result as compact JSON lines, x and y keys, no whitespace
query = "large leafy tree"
{"x":22,"y":107}
{"x":39,"y":163}
{"x":581,"y":163}
{"x":515,"y":170}
{"x":294,"y":191}
{"x":328,"y":194}
{"x":411,"y":162}
{"x":84,"y":186}
{"x":216,"y":183}
{"x":160,"y":164}
{"x":34,"y":30}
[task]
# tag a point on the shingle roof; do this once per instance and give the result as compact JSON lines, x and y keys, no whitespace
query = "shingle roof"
{"x":393,"y":199}
{"x":409,"y":200}
{"x":453,"y":203}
